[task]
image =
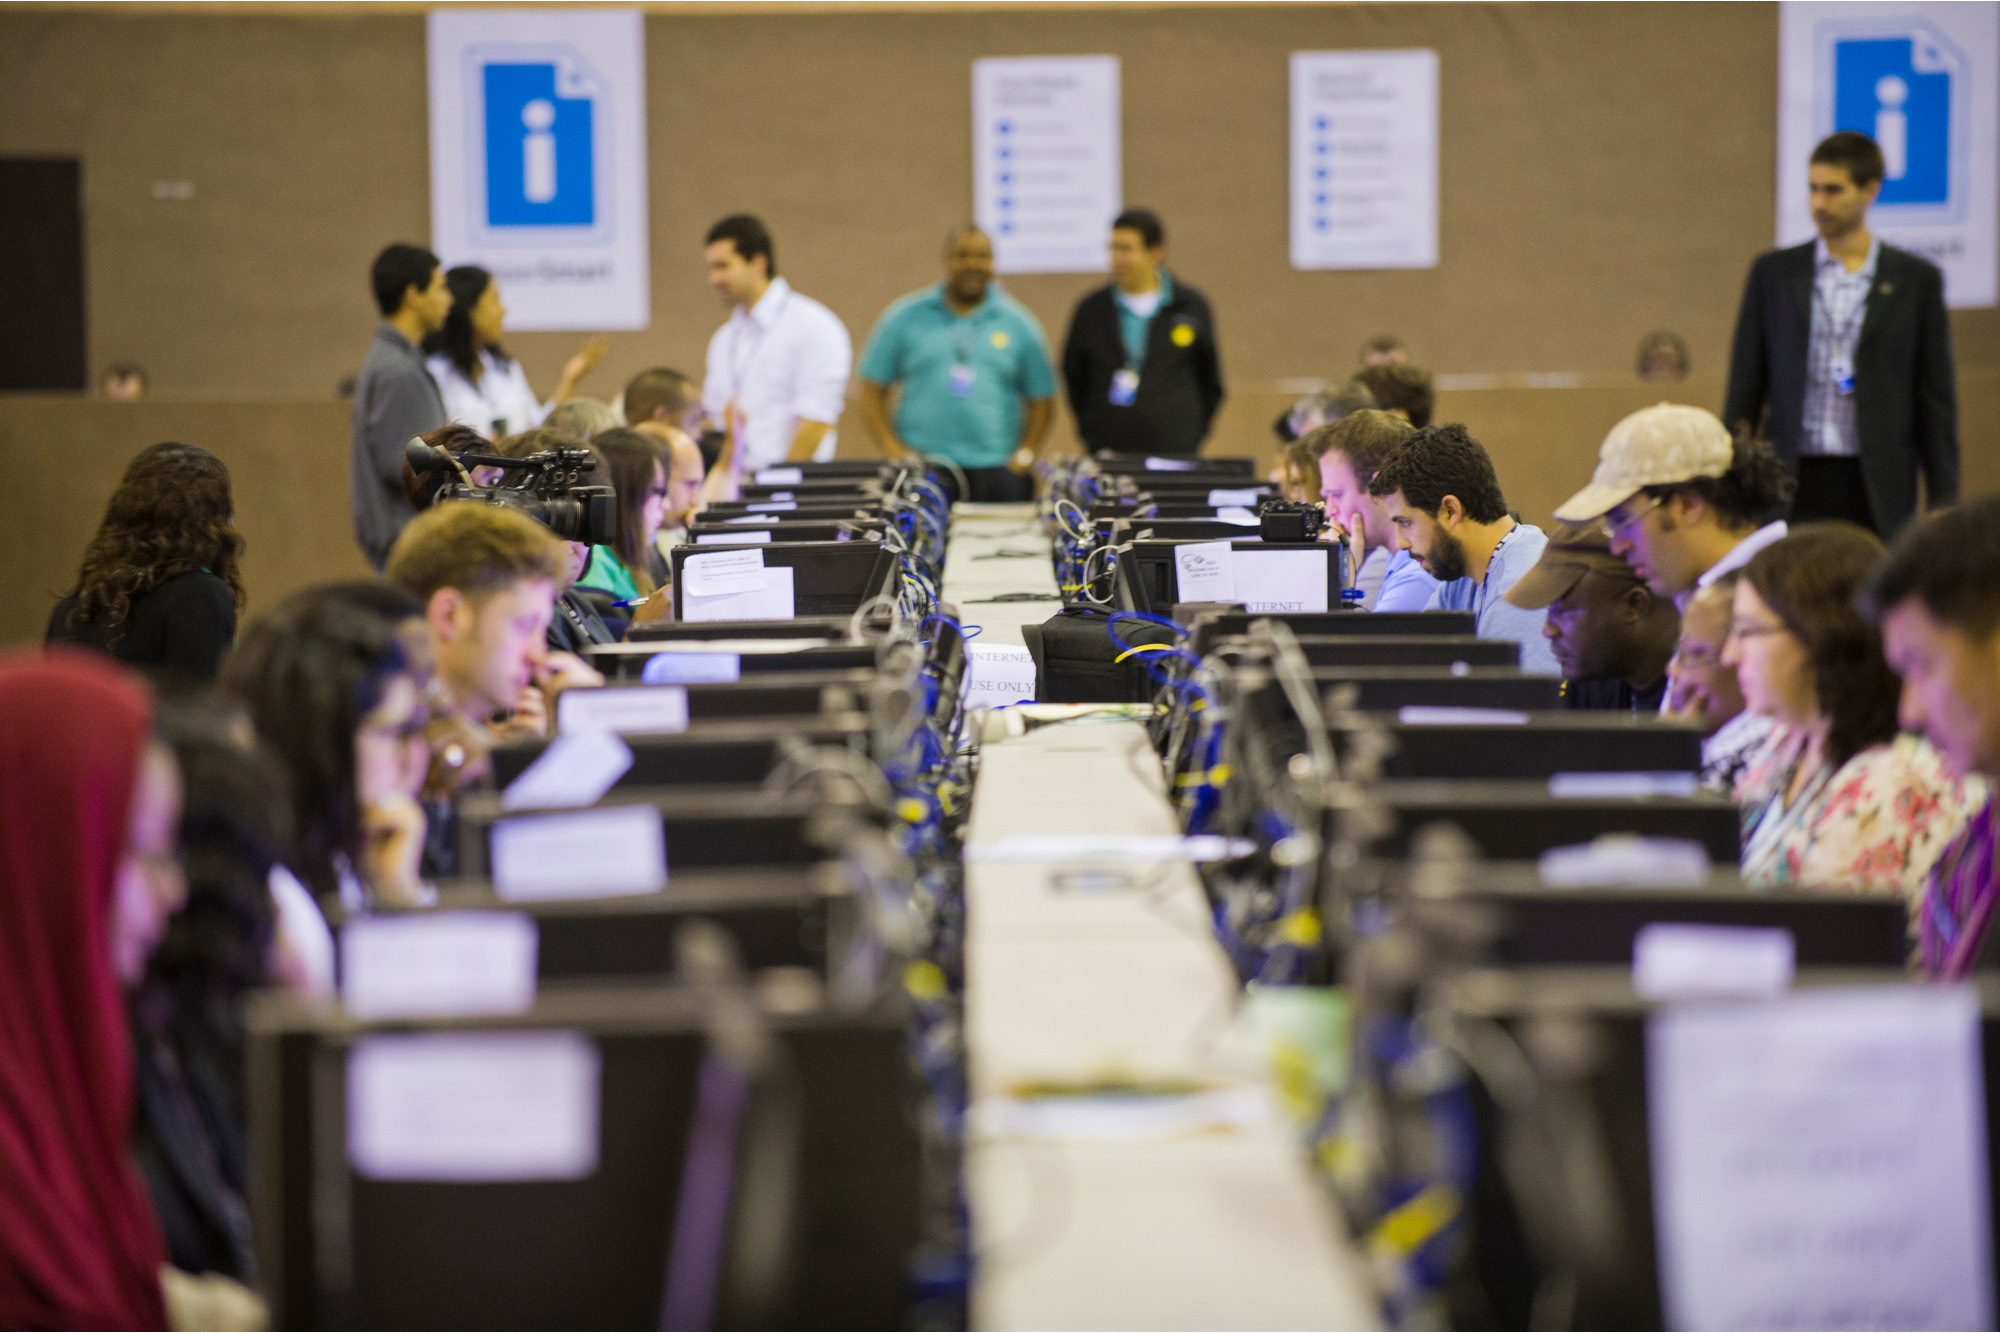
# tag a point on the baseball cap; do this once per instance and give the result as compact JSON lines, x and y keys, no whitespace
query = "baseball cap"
{"x":1573,"y":551}
{"x":1655,"y":446}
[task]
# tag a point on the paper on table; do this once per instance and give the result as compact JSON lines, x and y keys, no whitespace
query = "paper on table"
{"x":1428,"y":715}
{"x":997,"y":673}
{"x":1819,"y":1161}
{"x":1277,"y":582}
{"x":1674,"y":960}
{"x":778,"y":476}
{"x":577,"y":768}
{"x":626,"y":709}
{"x":1204,"y":572}
{"x":1170,"y":465}
{"x":437,"y":964}
{"x":750,"y":518}
{"x":612,"y":852}
{"x":773,"y":506}
{"x":1119,"y":1116}
{"x":1623,"y":784}
{"x":732,"y":538}
{"x":722,"y":571}
{"x":692,"y":668}
{"x":1248,"y":495}
{"x":1625,"y":858}
{"x":1242,"y":518}
{"x":472,"y":1106}
{"x":1109,"y":847}
{"x":773,"y":601}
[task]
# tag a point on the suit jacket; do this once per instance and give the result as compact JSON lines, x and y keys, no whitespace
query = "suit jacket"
{"x":1905,"y":399}
{"x":1179,"y":389}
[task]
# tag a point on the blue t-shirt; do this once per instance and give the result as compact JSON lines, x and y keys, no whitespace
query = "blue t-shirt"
{"x":1494,"y":616}
{"x":1405,"y":585}
{"x":920,"y":343}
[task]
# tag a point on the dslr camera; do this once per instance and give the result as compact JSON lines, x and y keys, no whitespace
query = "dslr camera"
{"x":1290,"y":521}
{"x":548,"y":487}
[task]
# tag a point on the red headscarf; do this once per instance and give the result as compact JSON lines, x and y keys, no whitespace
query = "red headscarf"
{"x":78,"y":1244}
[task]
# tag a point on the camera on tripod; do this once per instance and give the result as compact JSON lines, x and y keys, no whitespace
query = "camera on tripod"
{"x":548,"y":487}
{"x":1290,"y":521}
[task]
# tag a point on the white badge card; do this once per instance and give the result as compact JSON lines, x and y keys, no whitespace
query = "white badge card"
{"x":1124,"y":386}
{"x":473,"y":1106}
{"x":437,"y":964}
{"x":612,"y":852}
{"x":1205,"y":572}
{"x":626,"y":709}
{"x":1819,"y":1161}
{"x":997,"y":674}
{"x":1281,"y":582}
{"x":771,"y":600}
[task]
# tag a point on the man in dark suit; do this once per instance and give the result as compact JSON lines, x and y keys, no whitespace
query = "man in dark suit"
{"x":1140,"y":364}
{"x":1842,"y":357}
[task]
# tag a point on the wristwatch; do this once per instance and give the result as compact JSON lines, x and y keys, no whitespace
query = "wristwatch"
{"x":1024,"y":457}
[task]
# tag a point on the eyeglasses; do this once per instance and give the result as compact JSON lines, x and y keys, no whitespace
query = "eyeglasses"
{"x":1618,"y":521}
{"x":1741,"y":629}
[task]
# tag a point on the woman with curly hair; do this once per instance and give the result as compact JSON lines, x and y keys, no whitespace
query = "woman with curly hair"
{"x":160,"y":584}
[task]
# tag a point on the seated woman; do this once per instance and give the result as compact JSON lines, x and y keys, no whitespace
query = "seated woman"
{"x":1297,"y":473}
{"x":1835,"y":799}
{"x":631,"y":568}
{"x":160,"y":587}
{"x":481,"y":385}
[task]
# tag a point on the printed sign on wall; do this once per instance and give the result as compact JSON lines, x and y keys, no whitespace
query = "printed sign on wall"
{"x":1364,"y":159}
{"x":538,"y":160}
{"x":1921,"y":80}
{"x":1047,"y":175}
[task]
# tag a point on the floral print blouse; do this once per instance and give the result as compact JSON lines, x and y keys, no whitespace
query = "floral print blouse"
{"x":1877,"y":824}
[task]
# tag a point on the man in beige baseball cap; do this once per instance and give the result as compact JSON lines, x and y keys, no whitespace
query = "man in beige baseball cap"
{"x":1679,"y":499}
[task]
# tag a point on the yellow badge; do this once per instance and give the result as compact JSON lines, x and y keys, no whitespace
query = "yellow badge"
{"x":1183,"y":335}
{"x":999,"y":340}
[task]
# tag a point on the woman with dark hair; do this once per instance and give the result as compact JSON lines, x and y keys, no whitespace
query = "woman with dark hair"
{"x":1836,"y":799}
{"x":632,"y":567}
{"x":160,"y":584}
{"x":482,"y":386}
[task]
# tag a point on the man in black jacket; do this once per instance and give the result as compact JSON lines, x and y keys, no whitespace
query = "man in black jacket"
{"x":1140,"y":364}
{"x":1842,"y":357}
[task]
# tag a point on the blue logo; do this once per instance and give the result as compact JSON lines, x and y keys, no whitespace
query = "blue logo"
{"x":539,"y":149}
{"x":1899,"y":96}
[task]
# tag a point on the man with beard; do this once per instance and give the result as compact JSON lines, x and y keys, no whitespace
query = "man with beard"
{"x":1444,"y":506}
{"x":1610,"y":634}
{"x":971,"y":372}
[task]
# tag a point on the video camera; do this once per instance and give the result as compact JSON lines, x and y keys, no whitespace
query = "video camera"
{"x":548,"y":487}
{"x":1290,"y":521}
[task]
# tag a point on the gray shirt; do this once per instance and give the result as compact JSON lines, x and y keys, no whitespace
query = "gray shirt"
{"x":394,"y":399}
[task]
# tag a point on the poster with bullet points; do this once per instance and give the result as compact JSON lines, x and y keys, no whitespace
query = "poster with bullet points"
{"x":1046,"y":162}
{"x":1364,"y":159}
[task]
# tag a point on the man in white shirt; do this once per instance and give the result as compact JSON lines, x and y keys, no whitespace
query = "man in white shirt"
{"x":777,"y":370}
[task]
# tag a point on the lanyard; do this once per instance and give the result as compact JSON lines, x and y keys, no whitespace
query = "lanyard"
{"x":1777,"y":818}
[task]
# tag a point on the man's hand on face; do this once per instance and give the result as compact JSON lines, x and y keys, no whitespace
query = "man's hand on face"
{"x":528,"y":721}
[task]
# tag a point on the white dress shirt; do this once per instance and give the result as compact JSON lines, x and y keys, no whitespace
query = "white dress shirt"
{"x":501,"y":404}
{"x":782,"y":361}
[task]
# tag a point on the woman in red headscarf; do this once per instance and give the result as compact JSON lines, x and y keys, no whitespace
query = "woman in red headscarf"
{"x":88,"y":807}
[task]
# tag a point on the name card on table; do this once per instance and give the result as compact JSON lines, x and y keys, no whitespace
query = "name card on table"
{"x":997,"y":674}
{"x":1282,"y":582}
{"x":772,"y":601}
{"x":779,"y":476}
{"x":1625,"y":858}
{"x":438,"y":964}
{"x":576,"y":768}
{"x":1249,"y":495}
{"x":625,"y":709}
{"x":773,"y":506}
{"x":1623,"y":784}
{"x":749,"y":518}
{"x":612,"y":852}
{"x":733,"y":538}
{"x":1170,"y":465}
{"x":1205,"y":572}
{"x":1674,"y":960}
{"x":674,"y":668}
{"x":1241,"y":517}
{"x":1431,"y":715}
{"x":1819,"y":1161}
{"x":474,"y":1106}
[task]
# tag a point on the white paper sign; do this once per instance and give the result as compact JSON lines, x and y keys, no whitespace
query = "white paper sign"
{"x":692,"y":668}
{"x":471,"y":1106}
{"x":626,"y":709}
{"x":749,"y":518}
{"x":1625,"y":858}
{"x":733,"y":538}
{"x":779,"y":476}
{"x":1431,"y":715}
{"x":1819,"y":1161}
{"x":437,"y":964}
{"x":1364,"y":159}
{"x":1205,"y":572}
{"x":1220,"y":498}
{"x":998,"y":673}
{"x":1282,"y":582}
{"x":773,"y":507}
{"x":1170,"y":465}
{"x":1046,"y":174}
{"x":723,"y":571}
{"x":538,"y":160}
{"x":577,"y":768}
{"x":1923,"y":81}
{"x":772,"y":601}
{"x":1674,"y":960}
{"x":612,"y":852}
{"x":1242,"y":518}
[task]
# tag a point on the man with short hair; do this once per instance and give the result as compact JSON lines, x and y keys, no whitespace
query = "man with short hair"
{"x":395,"y":397}
{"x":970,"y":369}
{"x":659,"y":394}
{"x":684,"y":481}
{"x":1140,"y":364}
{"x":1610,"y":634}
{"x":778,"y":367}
{"x":1399,"y":387}
{"x":1350,"y":453}
{"x":1384,"y":349}
{"x":1444,"y":506}
{"x":1842,"y":357}
{"x":1937,"y":599}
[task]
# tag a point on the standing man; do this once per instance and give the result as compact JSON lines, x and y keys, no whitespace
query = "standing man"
{"x":395,"y":397}
{"x":972,"y":370}
{"x":777,"y":369}
{"x":1140,"y":363}
{"x":1845,"y":344}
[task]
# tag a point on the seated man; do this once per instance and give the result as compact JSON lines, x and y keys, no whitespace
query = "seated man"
{"x":1443,"y":501}
{"x":1701,"y":690}
{"x":1937,"y":598}
{"x":1611,"y":635}
{"x":1350,"y":452}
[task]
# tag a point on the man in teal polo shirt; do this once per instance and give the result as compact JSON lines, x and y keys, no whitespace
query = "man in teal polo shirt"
{"x":971,"y":371}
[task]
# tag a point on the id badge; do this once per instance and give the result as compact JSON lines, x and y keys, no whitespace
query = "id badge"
{"x":961,"y":381}
{"x":1843,"y":375}
{"x":1124,"y":386}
